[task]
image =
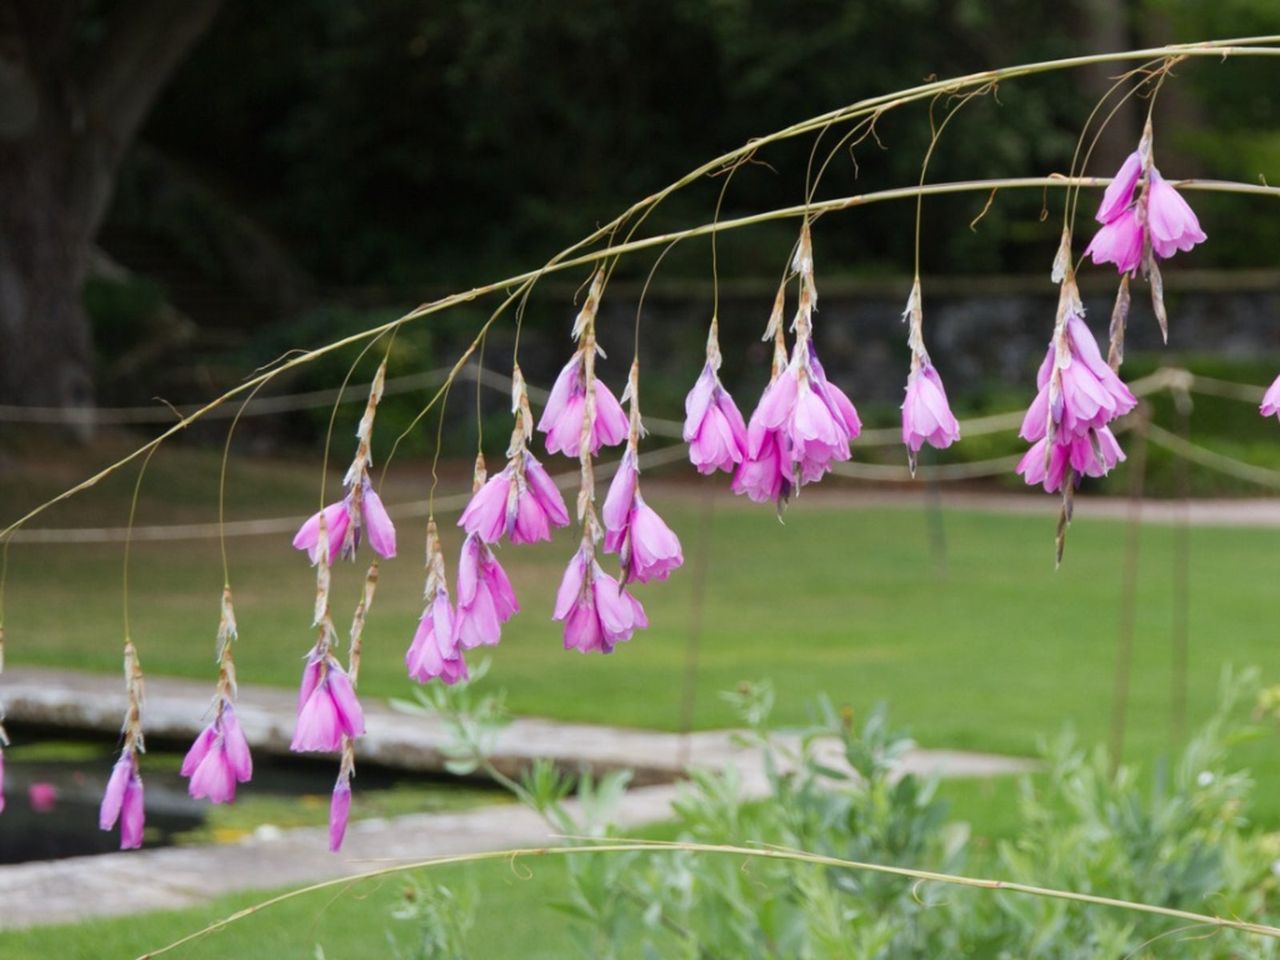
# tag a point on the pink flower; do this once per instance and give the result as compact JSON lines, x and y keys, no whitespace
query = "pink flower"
{"x":485,"y":598}
{"x":434,"y":651}
{"x":337,"y":518}
{"x":1118,"y":242}
{"x":1092,"y":395}
{"x":219,"y":759}
{"x":1119,"y":192}
{"x":713,"y":426}
{"x":339,"y":811}
{"x":1092,"y":454}
{"x":841,"y":406}
{"x":328,"y":710}
{"x":647,"y":547}
{"x":1171,"y":220}
{"x":122,"y":801}
{"x":382,"y":532}
{"x":43,"y":797}
{"x":522,"y":503}
{"x":764,"y":475}
{"x":566,"y":407}
{"x":1271,"y":400}
{"x":926,"y":415}
{"x":597,"y":611}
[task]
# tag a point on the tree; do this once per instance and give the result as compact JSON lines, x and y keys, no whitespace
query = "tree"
{"x":76,"y":81}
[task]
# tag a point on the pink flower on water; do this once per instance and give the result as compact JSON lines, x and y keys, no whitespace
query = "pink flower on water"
{"x":522,"y":502}
{"x":434,"y":651}
{"x":219,"y":759}
{"x":1271,"y":400}
{"x":339,"y":811}
{"x":647,"y":547}
{"x":926,"y":415}
{"x":1125,"y":220}
{"x":597,"y":611}
{"x":122,"y":801}
{"x":327,"y":708}
{"x":42,"y":796}
{"x":713,"y":426}
{"x":563,"y":416}
{"x":486,"y":599}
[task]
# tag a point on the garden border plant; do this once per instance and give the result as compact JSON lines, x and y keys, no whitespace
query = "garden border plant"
{"x":803,"y":425}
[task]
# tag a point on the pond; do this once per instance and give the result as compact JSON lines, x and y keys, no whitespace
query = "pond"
{"x":54,"y":782}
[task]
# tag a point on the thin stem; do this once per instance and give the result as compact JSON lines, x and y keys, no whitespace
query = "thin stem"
{"x":128,"y":542}
{"x":480,"y":397}
{"x":519,"y":280}
{"x":222,"y":484}
{"x":759,"y":853}
{"x":333,"y":415}
{"x":935,"y":135}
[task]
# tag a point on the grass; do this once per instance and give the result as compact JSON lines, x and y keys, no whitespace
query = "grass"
{"x":990,"y":650}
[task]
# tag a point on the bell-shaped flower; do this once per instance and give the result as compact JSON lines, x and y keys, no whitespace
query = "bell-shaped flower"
{"x":765,"y":475}
{"x":597,"y":611}
{"x":122,"y":801}
{"x":377,"y":523}
{"x":1170,"y":219}
{"x":563,"y":415}
{"x":1271,"y":400}
{"x":1119,"y":193}
{"x":434,"y":651}
{"x":926,"y":415}
{"x":713,"y":425}
{"x":837,"y":400}
{"x":1118,"y":241}
{"x":328,"y":708}
{"x":1091,"y":394}
{"x":647,"y":547}
{"x":486,"y":599}
{"x":219,"y":759}
{"x":523,"y":504}
{"x":337,"y":518}
{"x":339,"y":811}
{"x":1092,"y":454}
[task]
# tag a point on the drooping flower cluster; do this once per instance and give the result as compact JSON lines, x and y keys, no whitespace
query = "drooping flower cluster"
{"x":598,"y":612}
{"x":1078,"y":396}
{"x":713,"y":426}
{"x":328,"y":708}
{"x":435,"y":651}
{"x":1142,"y":212}
{"x":219,"y":758}
{"x":361,"y":509}
{"x":803,"y":423}
{"x":926,"y":415}
{"x":486,"y":599}
{"x":647,"y":547}
{"x":122,"y":801}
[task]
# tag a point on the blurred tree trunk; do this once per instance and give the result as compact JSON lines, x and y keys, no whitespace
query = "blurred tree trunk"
{"x":69,"y":108}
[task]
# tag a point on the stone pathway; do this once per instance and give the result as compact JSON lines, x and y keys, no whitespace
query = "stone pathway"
{"x":81,"y":887}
